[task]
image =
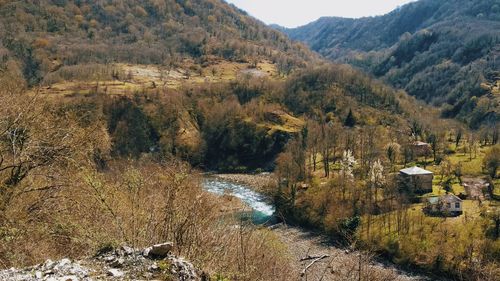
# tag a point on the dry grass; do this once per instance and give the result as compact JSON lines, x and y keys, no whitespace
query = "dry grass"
{"x":273,"y":118}
{"x":496,"y":191}
{"x":409,"y":236}
{"x":55,"y":202}
{"x":140,"y":204}
{"x":290,"y":124}
{"x":338,"y":265}
{"x":130,"y":78}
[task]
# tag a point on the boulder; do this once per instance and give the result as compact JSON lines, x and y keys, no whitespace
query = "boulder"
{"x":159,"y":250}
{"x":124,"y":263}
{"x":127,"y":250}
{"x":183,"y":269}
{"x":113,"y":272}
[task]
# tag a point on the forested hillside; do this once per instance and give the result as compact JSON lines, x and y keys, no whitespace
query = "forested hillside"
{"x":112,"y":112}
{"x":44,"y":36}
{"x":444,"y":52}
{"x":196,"y":80}
{"x":102,"y":111}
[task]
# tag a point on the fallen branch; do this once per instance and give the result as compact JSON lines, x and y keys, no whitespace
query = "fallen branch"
{"x":309,"y":257}
{"x":311,"y":264}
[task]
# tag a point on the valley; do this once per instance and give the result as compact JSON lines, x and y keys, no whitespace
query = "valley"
{"x":126,"y":124}
{"x":337,"y":264}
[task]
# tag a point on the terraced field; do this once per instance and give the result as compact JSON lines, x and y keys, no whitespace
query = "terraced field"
{"x":123,"y":79}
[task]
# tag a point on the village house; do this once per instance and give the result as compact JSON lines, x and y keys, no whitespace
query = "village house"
{"x":416,"y":180}
{"x":421,"y":148}
{"x":446,"y":205}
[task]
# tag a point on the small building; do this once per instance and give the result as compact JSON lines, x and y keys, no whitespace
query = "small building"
{"x":416,"y":180}
{"x":446,"y":205}
{"x":421,"y":148}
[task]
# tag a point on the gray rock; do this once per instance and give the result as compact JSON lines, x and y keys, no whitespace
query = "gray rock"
{"x":62,"y":265}
{"x":64,"y":278}
{"x":124,"y":263}
{"x":127,"y":250}
{"x":49,"y":264}
{"x":154,"y":267}
{"x":116,"y":263}
{"x":159,"y":250}
{"x":115,"y":272}
{"x":183,"y":269}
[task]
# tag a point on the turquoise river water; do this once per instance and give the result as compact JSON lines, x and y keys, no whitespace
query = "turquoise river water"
{"x":262,"y":210}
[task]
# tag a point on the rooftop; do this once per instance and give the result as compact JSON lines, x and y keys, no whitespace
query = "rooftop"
{"x":433,"y":200}
{"x":415,"y":171}
{"x":448,"y":198}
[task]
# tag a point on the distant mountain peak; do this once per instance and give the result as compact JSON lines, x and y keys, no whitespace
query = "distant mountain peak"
{"x":438,"y":51}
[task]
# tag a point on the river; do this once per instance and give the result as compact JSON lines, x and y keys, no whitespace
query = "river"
{"x":262,"y":210}
{"x":301,"y":243}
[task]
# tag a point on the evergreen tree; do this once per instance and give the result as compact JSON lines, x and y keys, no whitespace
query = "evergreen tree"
{"x":350,"y":120}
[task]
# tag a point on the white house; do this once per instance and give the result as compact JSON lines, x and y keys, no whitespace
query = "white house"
{"x":447,"y":205}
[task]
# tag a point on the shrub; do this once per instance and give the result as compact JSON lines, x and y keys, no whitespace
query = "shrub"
{"x":491,"y":161}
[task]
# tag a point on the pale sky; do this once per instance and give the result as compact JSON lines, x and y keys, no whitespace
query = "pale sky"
{"x":293,"y":13}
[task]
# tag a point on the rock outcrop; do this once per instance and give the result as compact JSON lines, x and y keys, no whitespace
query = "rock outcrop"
{"x":125,"y":263}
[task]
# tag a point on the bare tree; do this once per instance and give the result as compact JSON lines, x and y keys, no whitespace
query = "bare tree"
{"x":38,"y":143}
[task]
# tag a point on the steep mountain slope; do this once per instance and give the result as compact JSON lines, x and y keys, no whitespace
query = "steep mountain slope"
{"x":49,"y":34}
{"x":444,"y":52}
{"x":196,"y":80}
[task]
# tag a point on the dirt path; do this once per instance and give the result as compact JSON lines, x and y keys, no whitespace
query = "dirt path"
{"x":332,"y":263}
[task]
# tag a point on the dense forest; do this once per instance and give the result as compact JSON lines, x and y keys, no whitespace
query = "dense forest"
{"x":47,"y":35}
{"x":443,"y":52}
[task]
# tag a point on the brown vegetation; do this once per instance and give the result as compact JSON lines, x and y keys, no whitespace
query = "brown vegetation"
{"x":340,"y":180}
{"x":59,"y":197}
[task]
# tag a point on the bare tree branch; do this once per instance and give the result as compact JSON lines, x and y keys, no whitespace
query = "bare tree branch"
{"x":303,"y":272}
{"x":309,"y":257}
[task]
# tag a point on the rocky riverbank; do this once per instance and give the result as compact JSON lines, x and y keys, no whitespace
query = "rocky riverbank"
{"x":314,"y":258}
{"x":258,"y":182}
{"x":125,"y":263}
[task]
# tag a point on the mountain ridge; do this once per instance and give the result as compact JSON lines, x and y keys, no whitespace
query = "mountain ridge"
{"x":456,"y":41}
{"x":46,"y":35}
